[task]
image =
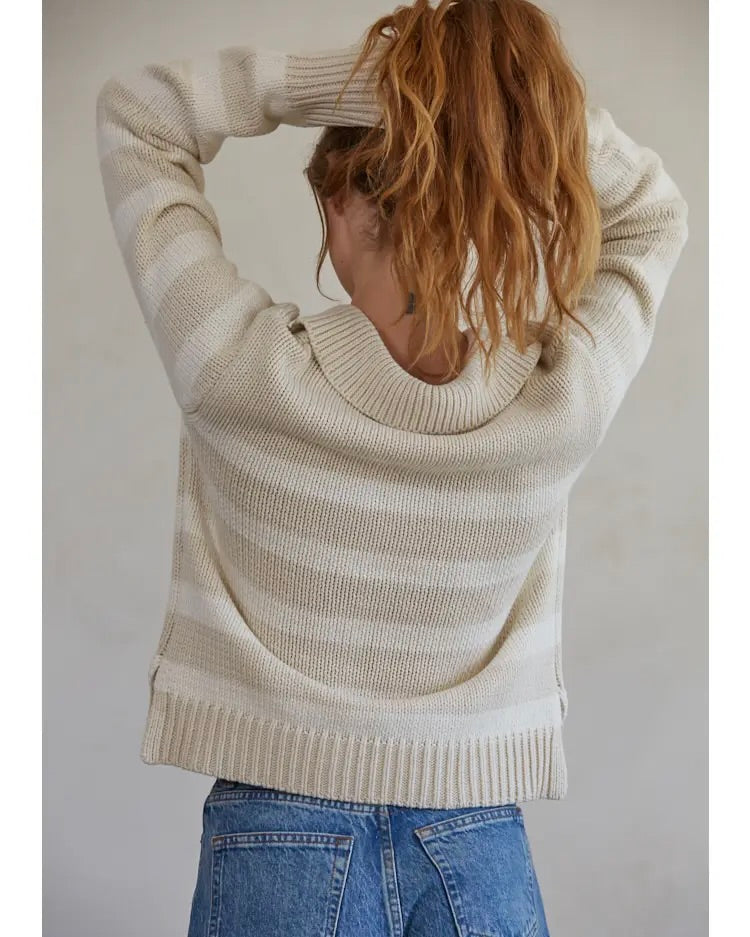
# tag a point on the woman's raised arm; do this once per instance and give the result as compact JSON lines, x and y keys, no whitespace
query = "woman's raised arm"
{"x":644,"y":228}
{"x":155,"y":127}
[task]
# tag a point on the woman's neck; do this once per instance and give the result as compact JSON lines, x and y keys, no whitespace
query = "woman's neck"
{"x":381,"y":300}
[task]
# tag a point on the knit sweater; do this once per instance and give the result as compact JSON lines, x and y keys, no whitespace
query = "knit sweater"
{"x":367,"y":569}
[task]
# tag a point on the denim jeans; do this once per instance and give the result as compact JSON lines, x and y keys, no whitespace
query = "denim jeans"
{"x":278,"y":864}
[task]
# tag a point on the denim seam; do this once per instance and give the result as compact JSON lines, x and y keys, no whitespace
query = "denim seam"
{"x":217,"y":872}
{"x":222,"y":796}
{"x":388,"y":864}
{"x":342,"y":856}
{"x":467,"y":820}
{"x":449,"y":886}
{"x":533,"y":927}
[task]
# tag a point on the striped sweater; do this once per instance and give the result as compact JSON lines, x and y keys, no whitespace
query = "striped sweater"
{"x":367,"y":572}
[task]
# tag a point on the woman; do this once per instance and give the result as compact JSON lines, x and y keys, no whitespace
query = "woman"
{"x":362,"y":642}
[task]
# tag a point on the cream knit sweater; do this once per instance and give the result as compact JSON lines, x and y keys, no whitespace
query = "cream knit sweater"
{"x":367,"y":570}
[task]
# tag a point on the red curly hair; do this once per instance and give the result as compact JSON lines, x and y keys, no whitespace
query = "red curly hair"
{"x":482,"y":145}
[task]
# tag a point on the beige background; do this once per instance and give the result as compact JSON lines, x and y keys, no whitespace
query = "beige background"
{"x":625,"y":853}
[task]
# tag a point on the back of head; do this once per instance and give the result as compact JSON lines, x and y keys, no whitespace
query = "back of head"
{"x":482,"y":147}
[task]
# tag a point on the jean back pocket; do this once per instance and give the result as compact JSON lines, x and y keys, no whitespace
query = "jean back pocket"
{"x":484,"y":861}
{"x":276,"y":883}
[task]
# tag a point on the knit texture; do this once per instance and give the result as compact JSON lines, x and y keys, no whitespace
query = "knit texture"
{"x":367,"y":573}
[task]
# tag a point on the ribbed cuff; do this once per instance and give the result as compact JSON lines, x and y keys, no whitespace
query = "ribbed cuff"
{"x":313,"y":81}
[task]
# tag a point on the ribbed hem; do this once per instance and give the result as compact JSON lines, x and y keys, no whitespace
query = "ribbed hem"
{"x":212,"y":740}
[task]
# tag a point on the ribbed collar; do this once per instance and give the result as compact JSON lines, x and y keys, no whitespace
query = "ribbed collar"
{"x":356,"y":361}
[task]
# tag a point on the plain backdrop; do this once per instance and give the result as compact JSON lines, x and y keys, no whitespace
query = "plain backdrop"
{"x":625,"y":853}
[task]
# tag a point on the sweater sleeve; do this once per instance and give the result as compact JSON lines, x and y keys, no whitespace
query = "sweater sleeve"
{"x":644,"y":229}
{"x":155,"y":127}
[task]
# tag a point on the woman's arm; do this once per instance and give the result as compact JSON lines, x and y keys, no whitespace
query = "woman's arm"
{"x":155,"y":127}
{"x":644,"y":228}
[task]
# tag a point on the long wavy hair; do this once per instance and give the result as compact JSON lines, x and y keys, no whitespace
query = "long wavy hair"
{"x":482,"y":142}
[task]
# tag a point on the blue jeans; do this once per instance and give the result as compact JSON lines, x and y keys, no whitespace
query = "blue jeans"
{"x":278,"y":864}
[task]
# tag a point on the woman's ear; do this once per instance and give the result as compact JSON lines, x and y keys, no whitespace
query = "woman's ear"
{"x":337,"y":203}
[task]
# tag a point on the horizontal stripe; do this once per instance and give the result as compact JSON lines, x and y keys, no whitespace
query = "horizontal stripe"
{"x":325,"y":476}
{"x":199,"y":604}
{"x":453,"y":615}
{"x":308,"y":550}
